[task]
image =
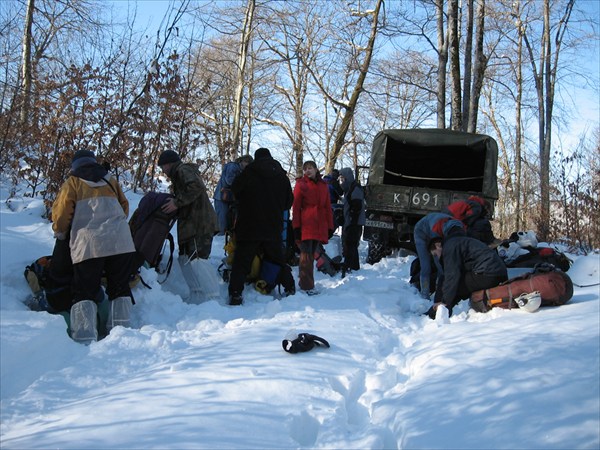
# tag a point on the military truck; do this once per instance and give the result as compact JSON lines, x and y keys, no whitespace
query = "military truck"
{"x":419,"y":171}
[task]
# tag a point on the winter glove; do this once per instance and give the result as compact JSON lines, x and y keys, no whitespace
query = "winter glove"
{"x":303,"y":343}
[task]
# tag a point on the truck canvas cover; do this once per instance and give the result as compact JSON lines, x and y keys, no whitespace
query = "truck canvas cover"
{"x":421,"y":170}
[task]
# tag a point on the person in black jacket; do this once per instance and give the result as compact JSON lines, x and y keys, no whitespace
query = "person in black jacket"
{"x":354,"y":219}
{"x":469,"y":265}
{"x":263,"y":192}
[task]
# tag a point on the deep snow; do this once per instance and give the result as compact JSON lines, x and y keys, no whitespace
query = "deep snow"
{"x":215,"y":376}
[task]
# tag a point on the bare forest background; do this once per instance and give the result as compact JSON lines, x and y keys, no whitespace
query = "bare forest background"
{"x":309,"y":79}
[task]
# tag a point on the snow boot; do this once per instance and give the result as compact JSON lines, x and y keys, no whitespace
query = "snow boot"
{"x":84,"y":322}
{"x":119,"y":310}
{"x":201,"y":278}
{"x":235,"y":300}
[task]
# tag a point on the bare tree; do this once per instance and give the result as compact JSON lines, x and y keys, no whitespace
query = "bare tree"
{"x":545,"y":75}
{"x":442,"y":51}
{"x":246,"y":34}
{"x":471,"y":99}
{"x":350,"y":106}
{"x":26,"y":62}
{"x":453,"y":48}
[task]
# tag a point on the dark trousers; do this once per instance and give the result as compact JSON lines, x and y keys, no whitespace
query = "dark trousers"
{"x":245,"y":251}
{"x":307,"y":264}
{"x":350,"y":241}
{"x":472,"y":282}
{"x":197,"y":247}
{"x":87,"y":277}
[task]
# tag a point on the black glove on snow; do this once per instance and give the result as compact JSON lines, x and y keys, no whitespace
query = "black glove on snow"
{"x":303,"y":343}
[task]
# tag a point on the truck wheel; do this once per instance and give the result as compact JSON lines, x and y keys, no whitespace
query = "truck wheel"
{"x":377,"y":250}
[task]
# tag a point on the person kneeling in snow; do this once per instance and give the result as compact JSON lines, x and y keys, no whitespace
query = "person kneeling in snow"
{"x":469,"y":265}
{"x":91,"y":210}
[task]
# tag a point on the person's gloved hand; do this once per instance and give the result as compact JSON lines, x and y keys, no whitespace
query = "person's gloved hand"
{"x":303,"y":343}
{"x":297,"y":236}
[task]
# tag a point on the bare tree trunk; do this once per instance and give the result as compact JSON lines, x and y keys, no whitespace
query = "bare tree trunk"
{"x":453,"y":46}
{"x":480,"y":67}
{"x":545,"y":81}
{"x":442,"y":49}
{"x":518,"y":131}
{"x":468,"y":64}
{"x":26,"y":64}
{"x":241,"y":69}
{"x":364,"y":69}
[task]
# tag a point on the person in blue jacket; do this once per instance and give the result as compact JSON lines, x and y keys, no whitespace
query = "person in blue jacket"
{"x":434,"y":225}
{"x":223,"y":197}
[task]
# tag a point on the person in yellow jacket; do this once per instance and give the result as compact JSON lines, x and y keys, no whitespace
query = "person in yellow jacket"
{"x":91,"y":211}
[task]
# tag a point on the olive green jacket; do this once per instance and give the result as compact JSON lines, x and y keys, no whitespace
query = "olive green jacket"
{"x":195,"y":214}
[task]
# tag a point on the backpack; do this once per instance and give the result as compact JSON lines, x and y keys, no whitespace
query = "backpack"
{"x":150,"y":229}
{"x":270,"y":276}
{"x":48,"y":293}
{"x":554,"y":286}
{"x":539,"y":255}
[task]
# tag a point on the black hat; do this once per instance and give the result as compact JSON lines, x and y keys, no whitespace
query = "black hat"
{"x":82,"y":158}
{"x":262,"y":153}
{"x":83,"y":154}
{"x":168,"y":156}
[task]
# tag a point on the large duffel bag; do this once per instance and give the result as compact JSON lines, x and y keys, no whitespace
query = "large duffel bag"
{"x":554,"y":286}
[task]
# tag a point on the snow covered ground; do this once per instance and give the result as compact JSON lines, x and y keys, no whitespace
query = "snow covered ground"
{"x":215,"y":376}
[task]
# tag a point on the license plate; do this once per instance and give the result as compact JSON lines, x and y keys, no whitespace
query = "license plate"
{"x":379,"y":224}
{"x":426,"y":200}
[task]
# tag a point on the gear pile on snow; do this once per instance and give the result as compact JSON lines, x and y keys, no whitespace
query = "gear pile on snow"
{"x":545,"y":286}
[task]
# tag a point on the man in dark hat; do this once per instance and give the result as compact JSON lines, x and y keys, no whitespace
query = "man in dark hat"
{"x":91,"y":211}
{"x":469,"y":266}
{"x":196,"y":226}
{"x":263,"y":192}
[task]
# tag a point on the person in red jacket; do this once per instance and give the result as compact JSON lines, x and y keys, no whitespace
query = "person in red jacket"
{"x":312,"y":221}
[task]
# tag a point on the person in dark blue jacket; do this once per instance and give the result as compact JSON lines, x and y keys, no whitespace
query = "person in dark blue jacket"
{"x":433,"y":225}
{"x":223,"y":197}
{"x":354,"y":219}
{"x":469,"y":265}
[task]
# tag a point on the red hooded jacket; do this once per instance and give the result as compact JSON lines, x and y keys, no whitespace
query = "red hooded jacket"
{"x":312,"y":209}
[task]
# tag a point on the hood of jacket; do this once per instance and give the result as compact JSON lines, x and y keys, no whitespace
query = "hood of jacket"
{"x":348,"y":178}
{"x":91,"y":171}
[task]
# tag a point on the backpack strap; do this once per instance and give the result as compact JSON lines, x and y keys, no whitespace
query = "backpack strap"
{"x":170,"y":261}
{"x":111,"y":186}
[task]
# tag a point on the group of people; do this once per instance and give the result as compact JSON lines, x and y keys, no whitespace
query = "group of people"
{"x":251,"y":201}
{"x":253,"y":194}
{"x":255,"y":212}
{"x":458,"y":243}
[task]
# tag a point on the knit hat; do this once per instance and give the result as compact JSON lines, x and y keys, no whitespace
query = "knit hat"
{"x":262,"y":153}
{"x":168,"y":156}
{"x":82,"y":158}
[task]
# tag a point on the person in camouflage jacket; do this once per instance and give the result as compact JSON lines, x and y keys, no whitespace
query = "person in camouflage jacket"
{"x":196,"y":224}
